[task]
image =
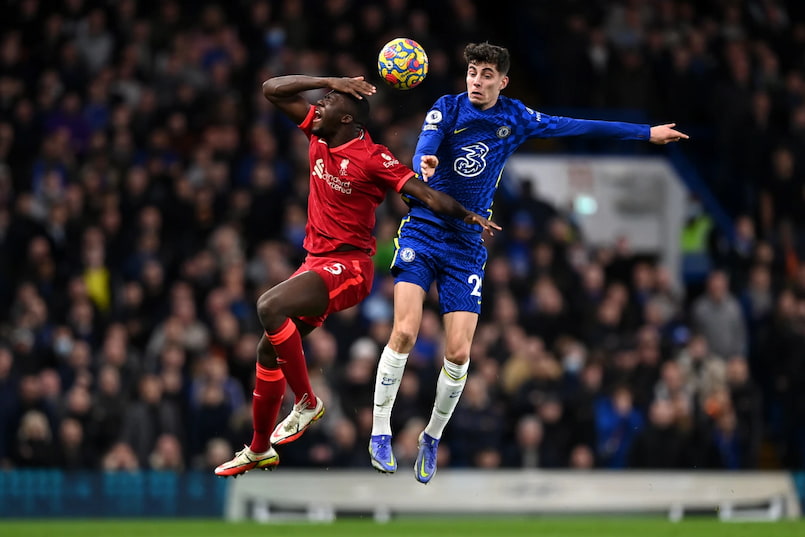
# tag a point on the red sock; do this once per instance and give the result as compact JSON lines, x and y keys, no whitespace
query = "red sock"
{"x":291,"y":358}
{"x":269,"y":387}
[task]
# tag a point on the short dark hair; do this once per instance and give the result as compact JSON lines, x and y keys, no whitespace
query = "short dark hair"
{"x":359,"y":108}
{"x":488,"y":53}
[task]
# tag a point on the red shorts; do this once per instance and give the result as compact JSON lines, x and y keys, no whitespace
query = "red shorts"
{"x":347,"y":275}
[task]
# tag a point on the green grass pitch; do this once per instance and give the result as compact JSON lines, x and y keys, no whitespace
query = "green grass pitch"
{"x":431,"y":527}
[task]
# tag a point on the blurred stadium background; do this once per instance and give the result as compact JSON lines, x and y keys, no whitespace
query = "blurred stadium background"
{"x":644,"y":307}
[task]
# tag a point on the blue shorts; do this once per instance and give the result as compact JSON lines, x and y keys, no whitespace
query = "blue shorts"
{"x":455,"y":261}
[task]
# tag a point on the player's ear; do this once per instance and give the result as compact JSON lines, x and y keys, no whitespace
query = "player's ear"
{"x":504,"y":82}
{"x":347,"y":118}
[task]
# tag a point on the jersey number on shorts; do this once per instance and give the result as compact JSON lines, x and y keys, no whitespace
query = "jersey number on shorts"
{"x":335,"y":268}
{"x":475,"y":280}
{"x":473,"y":162}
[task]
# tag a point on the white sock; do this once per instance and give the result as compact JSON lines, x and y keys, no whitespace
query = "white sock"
{"x":389,"y":373}
{"x":451,"y":382}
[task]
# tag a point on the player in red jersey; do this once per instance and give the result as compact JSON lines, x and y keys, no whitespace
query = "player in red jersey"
{"x":349,"y":178}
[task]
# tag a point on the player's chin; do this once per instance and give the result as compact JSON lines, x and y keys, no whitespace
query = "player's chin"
{"x":476,"y":99}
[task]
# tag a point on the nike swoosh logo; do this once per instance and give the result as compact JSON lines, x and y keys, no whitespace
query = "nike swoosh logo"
{"x":460,"y":130}
{"x":249,"y":461}
{"x":422,"y":472}
{"x":391,"y":459}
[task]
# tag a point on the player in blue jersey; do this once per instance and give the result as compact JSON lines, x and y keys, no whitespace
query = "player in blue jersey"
{"x":464,"y":144}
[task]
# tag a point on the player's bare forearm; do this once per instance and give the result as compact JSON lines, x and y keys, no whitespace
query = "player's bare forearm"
{"x":442,"y":203}
{"x":289,"y":86}
{"x":285,"y":91}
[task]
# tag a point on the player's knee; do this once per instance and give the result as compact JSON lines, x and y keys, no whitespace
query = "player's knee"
{"x":402,"y":340}
{"x":266,"y":355}
{"x":460,"y":357}
{"x":267,"y":308}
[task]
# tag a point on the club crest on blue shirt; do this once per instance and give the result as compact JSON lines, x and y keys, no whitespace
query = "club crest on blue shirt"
{"x":407,"y":254}
{"x":504,"y":131}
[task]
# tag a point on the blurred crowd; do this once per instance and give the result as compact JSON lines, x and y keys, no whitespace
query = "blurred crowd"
{"x":149,"y":194}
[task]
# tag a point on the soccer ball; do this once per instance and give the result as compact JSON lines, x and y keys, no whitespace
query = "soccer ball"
{"x":402,"y":63}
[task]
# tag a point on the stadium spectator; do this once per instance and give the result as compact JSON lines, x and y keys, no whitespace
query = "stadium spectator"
{"x":75,"y":450}
{"x":34,"y":445}
{"x":617,"y":424}
{"x":718,"y":317}
{"x":661,"y":445}
{"x":148,"y":418}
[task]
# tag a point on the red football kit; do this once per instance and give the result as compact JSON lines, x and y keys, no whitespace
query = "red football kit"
{"x":347,"y":183}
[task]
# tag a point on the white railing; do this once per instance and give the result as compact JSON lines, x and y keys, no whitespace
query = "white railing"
{"x":326,"y":494}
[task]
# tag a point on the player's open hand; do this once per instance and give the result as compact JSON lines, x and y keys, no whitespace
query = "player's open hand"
{"x":355,"y":86}
{"x":427,"y":166}
{"x":663,"y":134}
{"x":488,"y":225}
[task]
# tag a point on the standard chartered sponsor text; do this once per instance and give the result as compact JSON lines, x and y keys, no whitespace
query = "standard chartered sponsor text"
{"x":334,"y":182}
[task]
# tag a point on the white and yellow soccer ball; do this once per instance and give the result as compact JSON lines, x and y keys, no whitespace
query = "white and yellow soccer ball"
{"x":402,"y":63}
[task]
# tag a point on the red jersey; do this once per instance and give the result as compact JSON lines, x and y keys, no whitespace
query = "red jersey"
{"x":347,"y":183}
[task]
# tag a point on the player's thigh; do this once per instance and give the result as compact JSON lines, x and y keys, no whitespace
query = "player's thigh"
{"x":459,"y":328}
{"x":347,"y":278}
{"x":460,"y":278}
{"x":303,"y":294}
{"x":417,"y":254}
{"x":408,"y":300}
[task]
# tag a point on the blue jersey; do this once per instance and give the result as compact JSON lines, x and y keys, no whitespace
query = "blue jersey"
{"x":473,"y":145}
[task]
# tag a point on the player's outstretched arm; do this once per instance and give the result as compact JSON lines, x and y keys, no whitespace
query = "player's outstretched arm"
{"x":440,"y":202}
{"x":663,"y":134}
{"x":285,"y":91}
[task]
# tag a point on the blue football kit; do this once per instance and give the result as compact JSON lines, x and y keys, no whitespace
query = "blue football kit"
{"x":472,"y":146}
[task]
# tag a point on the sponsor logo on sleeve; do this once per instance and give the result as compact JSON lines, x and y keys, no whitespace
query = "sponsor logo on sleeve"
{"x":434,"y":116}
{"x":534,"y":113}
{"x":390,"y":161}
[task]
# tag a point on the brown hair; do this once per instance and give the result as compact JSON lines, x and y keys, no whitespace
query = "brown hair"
{"x":488,"y":53}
